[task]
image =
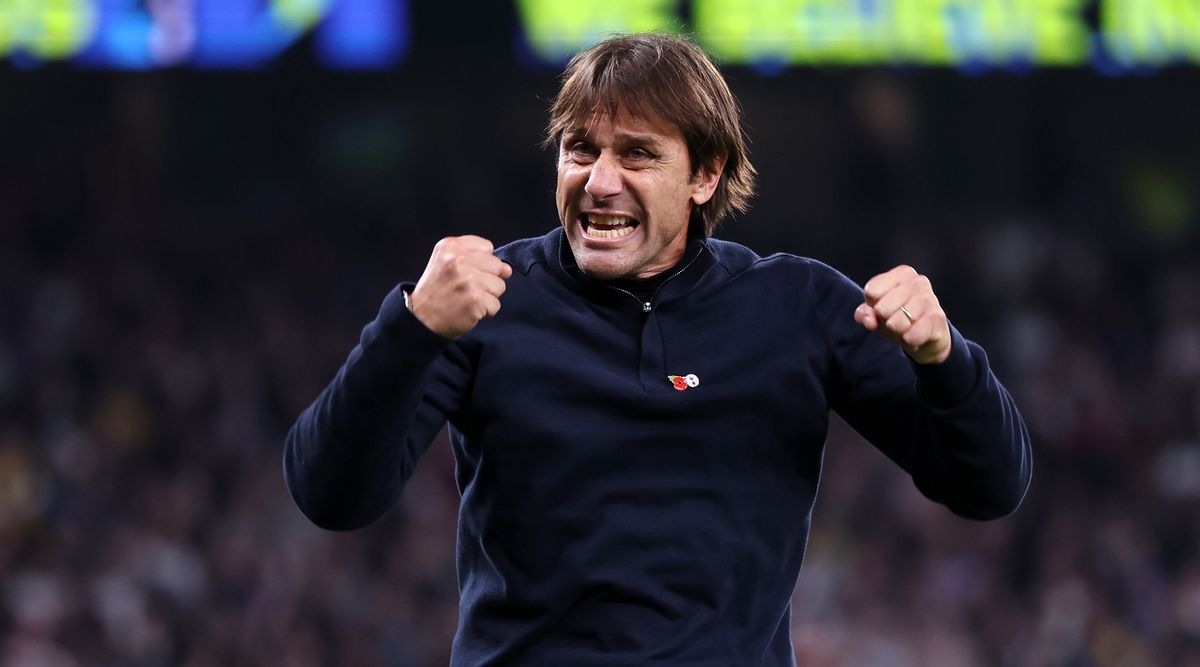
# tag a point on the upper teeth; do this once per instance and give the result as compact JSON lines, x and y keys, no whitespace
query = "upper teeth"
{"x":607,"y":220}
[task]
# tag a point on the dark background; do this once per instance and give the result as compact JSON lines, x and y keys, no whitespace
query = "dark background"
{"x":187,"y":257}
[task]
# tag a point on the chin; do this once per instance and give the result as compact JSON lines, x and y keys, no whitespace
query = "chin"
{"x":601,"y":270}
{"x":604,"y":270}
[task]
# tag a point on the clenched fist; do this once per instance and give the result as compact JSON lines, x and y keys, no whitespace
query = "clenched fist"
{"x":461,"y":285}
{"x":900,"y":306}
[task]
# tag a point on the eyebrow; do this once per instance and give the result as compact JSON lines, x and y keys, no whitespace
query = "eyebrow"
{"x":623,"y":138}
{"x":645,"y":139}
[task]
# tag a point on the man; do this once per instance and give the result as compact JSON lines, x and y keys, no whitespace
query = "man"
{"x":639,"y":430}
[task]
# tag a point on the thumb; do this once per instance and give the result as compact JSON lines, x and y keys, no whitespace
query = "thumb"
{"x":865,"y":315}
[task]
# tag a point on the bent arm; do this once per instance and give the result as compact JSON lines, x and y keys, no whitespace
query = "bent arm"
{"x":349,"y":454}
{"x":952,"y":426}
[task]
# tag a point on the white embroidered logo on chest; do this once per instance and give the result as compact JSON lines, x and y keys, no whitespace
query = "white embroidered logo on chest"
{"x":682,"y":382}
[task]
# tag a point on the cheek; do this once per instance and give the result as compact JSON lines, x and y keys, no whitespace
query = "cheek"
{"x":560,"y":190}
{"x":668,"y":198}
{"x":569,"y":182}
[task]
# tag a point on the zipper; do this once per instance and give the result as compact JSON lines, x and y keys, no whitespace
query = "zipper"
{"x":647,"y":306}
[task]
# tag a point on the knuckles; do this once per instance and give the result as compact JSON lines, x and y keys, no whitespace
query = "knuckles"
{"x":925,"y":338}
{"x":456,"y":292}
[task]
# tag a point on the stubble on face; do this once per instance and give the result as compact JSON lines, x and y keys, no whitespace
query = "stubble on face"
{"x":625,"y":195}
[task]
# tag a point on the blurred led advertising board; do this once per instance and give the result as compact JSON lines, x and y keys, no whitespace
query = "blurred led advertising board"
{"x":1110,"y":35}
{"x":770,"y":35}
{"x":219,"y":34}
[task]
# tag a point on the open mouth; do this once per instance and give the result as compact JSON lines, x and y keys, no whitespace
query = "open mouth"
{"x":600,"y":226}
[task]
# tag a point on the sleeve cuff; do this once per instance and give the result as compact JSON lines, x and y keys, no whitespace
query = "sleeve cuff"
{"x":949,"y":383}
{"x":396,"y":320}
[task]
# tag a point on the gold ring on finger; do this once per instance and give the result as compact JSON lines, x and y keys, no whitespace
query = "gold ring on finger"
{"x":907,"y":314}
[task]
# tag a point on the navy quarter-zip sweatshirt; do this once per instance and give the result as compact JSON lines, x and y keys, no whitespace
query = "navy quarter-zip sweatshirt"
{"x":609,"y":517}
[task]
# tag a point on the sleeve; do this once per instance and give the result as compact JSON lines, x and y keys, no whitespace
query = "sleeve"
{"x":349,"y":454}
{"x":952,"y":426}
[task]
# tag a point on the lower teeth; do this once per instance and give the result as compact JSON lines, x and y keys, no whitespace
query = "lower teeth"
{"x":611,"y":232}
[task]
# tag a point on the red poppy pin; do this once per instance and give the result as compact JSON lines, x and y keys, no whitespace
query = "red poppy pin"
{"x":682,"y":382}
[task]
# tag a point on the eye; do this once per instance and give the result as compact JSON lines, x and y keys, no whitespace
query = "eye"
{"x":639,"y":154}
{"x":581,"y":151}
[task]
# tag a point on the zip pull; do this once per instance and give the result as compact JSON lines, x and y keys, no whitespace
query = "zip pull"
{"x":647,"y":306}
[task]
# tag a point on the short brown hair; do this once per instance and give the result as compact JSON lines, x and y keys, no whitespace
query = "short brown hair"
{"x":670,"y":77}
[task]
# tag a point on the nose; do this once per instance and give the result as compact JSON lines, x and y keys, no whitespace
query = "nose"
{"x":604,"y":181}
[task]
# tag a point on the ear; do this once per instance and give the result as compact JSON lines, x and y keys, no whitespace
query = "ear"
{"x":704,"y":183}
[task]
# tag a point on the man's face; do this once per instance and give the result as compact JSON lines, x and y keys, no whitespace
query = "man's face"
{"x":625,"y":194}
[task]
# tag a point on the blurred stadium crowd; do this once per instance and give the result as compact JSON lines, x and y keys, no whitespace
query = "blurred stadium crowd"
{"x":184,"y":264}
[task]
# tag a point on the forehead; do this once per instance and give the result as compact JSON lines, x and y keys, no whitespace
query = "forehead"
{"x":623,"y":124}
